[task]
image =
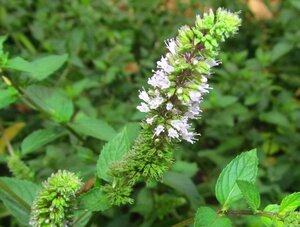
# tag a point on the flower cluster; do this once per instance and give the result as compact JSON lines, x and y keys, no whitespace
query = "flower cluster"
{"x":181,"y":78}
{"x":53,"y":205}
{"x":177,"y":88}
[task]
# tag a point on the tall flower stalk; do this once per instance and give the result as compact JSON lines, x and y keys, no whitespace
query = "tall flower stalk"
{"x":178,"y":86}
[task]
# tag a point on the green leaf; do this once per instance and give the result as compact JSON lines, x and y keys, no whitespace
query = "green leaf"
{"x":17,"y":196}
{"x":94,"y":200}
{"x":52,"y":101}
{"x":8,"y":96}
{"x":250,"y":193}
{"x":93,"y":127}
{"x":112,"y":151}
{"x":207,"y":217}
{"x":243,"y":167}
{"x":39,"y":69}
{"x":271,"y":222}
{"x":274,"y":117}
{"x":39,"y":138}
{"x":295,"y":3}
{"x":281,"y":49}
{"x":290,"y":203}
{"x":181,"y":183}
{"x":82,"y":217}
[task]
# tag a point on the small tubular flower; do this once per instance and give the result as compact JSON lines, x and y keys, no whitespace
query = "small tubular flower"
{"x":181,"y":79}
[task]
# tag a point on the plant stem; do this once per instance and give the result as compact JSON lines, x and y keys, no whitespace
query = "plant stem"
{"x":249,"y":212}
{"x":184,"y":223}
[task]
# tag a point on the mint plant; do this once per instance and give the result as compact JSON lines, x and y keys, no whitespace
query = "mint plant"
{"x":177,"y":88}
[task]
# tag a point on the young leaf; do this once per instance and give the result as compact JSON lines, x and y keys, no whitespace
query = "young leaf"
{"x":271,"y":221}
{"x":39,"y":138}
{"x":93,"y":127}
{"x":243,"y":167}
{"x":207,"y":217}
{"x":53,"y":101}
{"x":290,"y":203}
{"x":111,"y":152}
{"x":180,"y":182}
{"x":17,"y":196}
{"x":8,"y":96}
{"x":39,"y":69}
{"x":250,"y":193}
{"x":93,"y":200}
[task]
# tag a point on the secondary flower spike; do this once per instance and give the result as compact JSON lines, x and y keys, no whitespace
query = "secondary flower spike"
{"x":181,"y":78}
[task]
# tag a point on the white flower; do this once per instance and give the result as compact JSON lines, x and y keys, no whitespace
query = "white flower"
{"x":150,"y":120}
{"x":159,"y":79}
{"x":195,"y":96}
{"x":193,"y":110}
{"x":164,"y":65}
{"x":179,"y":91}
{"x":172,"y":133}
{"x":181,"y":125}
{"x":143,"y":107}
{"x":156,"y":102}
{"x":195,"y":61}
{"x":203,"y":79}
{"x":144,"y":96}
{"x":189,"y":136}
{"x":212,"y":62}
{"x":171,"y":45}
{"x":159,"y":129}
{"x":204,"y":88}
{"x":169,"y":106}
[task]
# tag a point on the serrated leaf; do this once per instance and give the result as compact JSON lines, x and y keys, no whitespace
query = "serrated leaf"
{"x":112,"y":151}
{"x":243,"y":167}
{"x":53,"y":101}
{"x":39,"y":138}
{"x":17,"y":196}
{"x":93,"y":127}
{"x":181,"y":183}
{"x":8,"y":96}
{"x":39,"y":69}
{"x":250,"y":194}
{"x":94,"y":200}
{"x":290,"y":203}
{"x":207,"y":217}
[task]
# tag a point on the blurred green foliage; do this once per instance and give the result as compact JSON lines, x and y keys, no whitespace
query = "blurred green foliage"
{"x":112,"y":48}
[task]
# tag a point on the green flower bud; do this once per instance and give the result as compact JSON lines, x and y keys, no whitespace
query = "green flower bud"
{"x":54,"y":204}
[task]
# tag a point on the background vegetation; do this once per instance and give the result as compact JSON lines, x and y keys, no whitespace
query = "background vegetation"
{"x":112,"y":48}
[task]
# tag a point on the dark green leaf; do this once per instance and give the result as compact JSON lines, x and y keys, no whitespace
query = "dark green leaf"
{"x":181,"y":183}
{"x":243,"y":167}
{"x":93,"y":127}
{"x":52,"y":101}
{"x":17,"y":196}
{"x":250,"y":193}
{"x":207,"y":217}
{"x":8,"y":96}
{"x":39,"y":69}
{"x":280,"y":49}
{"x":274,"y":117}
{"x":112,"y":151}
{"x":39,"y":138}
{"x":94,"y":200}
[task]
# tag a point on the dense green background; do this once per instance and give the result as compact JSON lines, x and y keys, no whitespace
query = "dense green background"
{"x":113,"y":46}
